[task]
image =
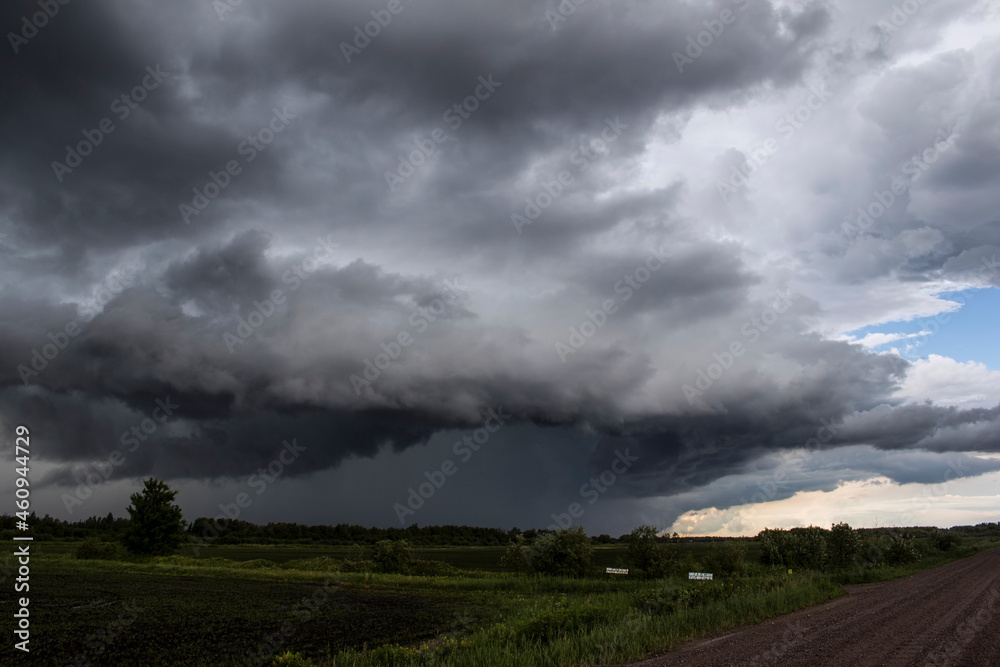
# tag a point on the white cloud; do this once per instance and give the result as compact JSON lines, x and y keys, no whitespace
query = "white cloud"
{"x":878,"y":339}
{"x":949,"y":382}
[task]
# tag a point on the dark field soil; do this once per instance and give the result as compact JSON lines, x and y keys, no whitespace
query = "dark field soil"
{"x":118,"y":618}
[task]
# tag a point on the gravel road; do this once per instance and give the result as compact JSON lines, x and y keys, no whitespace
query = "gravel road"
{"x":946,"y":616}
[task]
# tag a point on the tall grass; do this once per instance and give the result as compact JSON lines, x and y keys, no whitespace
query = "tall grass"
{"x":579,"y":622}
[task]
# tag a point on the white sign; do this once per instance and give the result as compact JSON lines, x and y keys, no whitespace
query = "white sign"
{"x":700,"y":575}
{"x":616,"y":570}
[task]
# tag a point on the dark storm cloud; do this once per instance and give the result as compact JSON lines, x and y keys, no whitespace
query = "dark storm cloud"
{"x":436,"y":259}
{"x":219,"y":88}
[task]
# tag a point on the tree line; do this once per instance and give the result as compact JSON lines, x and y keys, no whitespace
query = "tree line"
{"x":156,"y":526}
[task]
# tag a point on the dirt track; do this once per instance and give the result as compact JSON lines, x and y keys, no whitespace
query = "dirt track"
{"x":946,"y":616}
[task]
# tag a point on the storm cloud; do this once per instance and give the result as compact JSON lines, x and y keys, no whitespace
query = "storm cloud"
{"x":312,"y":221}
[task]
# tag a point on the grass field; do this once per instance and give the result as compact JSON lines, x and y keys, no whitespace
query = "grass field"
{"x":208,"y":611}
{"x":467,"y":558}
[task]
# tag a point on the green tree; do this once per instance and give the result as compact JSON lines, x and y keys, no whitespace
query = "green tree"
{"x":845,"y":546}
{"x":391,"y":556}
{"x":946,"y":540}
{"x":156,"y":523}
{"x":729,"y":557}
{"x":563,"y":553}
{"x":812,"y":548}
{"x":515,"y":558}
{"x":773,"y":546}
{"x":901,"y":550}
{"x":647,"y":555}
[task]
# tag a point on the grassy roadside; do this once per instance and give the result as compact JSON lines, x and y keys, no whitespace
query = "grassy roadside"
{"x":926,"y":562}
{"x":362,"y":618}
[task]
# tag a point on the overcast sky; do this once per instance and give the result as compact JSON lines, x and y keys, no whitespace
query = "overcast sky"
{"x":712,"y":266}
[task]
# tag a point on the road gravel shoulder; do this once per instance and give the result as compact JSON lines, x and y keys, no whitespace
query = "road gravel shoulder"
{"x":949,"y":615}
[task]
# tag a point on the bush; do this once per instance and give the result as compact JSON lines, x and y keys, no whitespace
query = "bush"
{"x":391,"y":557}
{"x":550,"y":625}
{"x":811,"y":552}
{"x":669,"y":600}
{"x":729,"y":558}
{"x":93,"y":550}
{"x":564,"y":553}
{"x":647,"y":555}
{"x":290,"y":659}
{"x":772,"y":546}
{"x":317,"y":564}
{"x":946,"y":540}
{"x":901,"y":550}
{"x":356,"y":566}
{"x":845,"y":546}
{"x":433,"y":568}
{"x":515,"y":558}
{"x":796,"y":548}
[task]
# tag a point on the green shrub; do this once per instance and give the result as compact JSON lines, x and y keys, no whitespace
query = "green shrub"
{"x":91,"y":549}
{"x":647,"y":556}
{"x":356,"y":566}
{"x":772,"y":546}
{"x":729,"y":558}
{"x":845,"y":546}
{"x":391,"y":557}
{"x":564,"y":553}
{"x":516,"y":558}
{"x":796,"y":548}
{"x":290,"y":659}
{"x":318,"y":564}
{"x":946,"y":540}
{"x":901,"y":550}
{"x":433,"y":568}
{"x":811,"y":552}
{"x":669,"y":600}
{"x":554,"y":623}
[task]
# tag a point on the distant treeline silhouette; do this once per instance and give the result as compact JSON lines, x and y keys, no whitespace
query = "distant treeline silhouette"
{"x":111,"y":529}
